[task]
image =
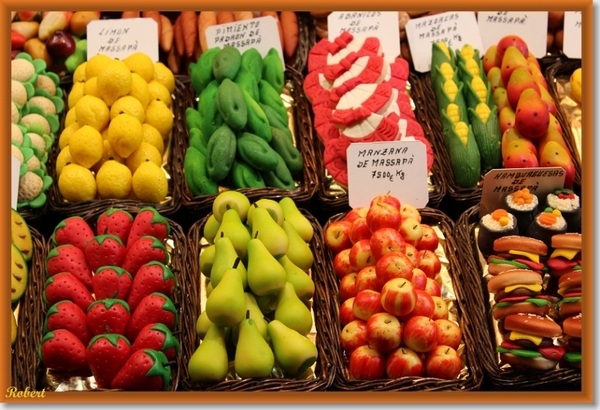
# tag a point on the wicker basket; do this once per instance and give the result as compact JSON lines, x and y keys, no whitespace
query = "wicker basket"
{"x":198,"y":206}
{"x":501,"y":379}
{"x":174,"y":165}
{"x":334,"y":198}
{"x":565,"y":69}
{"x":306,"y":35}
{"x":462,"y":280}
{"x":324,"y":371}
{"x":35,"y":310}
{"x":24,"y":364}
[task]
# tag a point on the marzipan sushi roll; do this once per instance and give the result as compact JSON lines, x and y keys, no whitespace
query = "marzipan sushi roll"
{"x":568,"y":203}
{"x":524,"y":206}
{"x":493,"y":226}
{"x":546,"y":224}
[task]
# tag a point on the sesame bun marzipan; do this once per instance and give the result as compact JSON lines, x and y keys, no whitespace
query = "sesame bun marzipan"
{"x":516,"y":252}
{"x":515,"y":282}
{"x":539,"y":305}
{"x":570,"y":283}
{"x":566,"y":255}
{"x":532,"y":325}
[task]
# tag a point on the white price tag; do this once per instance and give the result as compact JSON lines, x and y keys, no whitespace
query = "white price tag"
{"x":572,"y":34}
{"x":453,"y":28}
{"x":381,"y":24}
{"x":499,"y":183}
{"x":260,"y":33}
{"x":395,"y":167}
{"x":531,"y":26}
{"x":123,"y":37}
{"x":15,"y":166}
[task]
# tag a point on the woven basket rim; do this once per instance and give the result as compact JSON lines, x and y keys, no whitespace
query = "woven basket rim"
{"x":177,"y":266}
{"x":306,"y":32}
{"x":59,"y":207}
{"x":461,"y":280}
{"x":324,"y":370}
{"x":306,"y":187}
{"x":501,"y":379}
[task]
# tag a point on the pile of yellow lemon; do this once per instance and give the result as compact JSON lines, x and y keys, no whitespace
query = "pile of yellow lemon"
{"x":116,"y":130}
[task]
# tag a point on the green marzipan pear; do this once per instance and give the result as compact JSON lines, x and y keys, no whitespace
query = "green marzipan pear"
{"x":292,"y":312}
{"x":267,"y":304}
{"x":298,"y":251}
{"x":210,"y":229}
{"x":257,"y":316}
{"x":265,"y":273}
{"x":303,"y":284}
{"x":202,"y":324}
{"x":292,"y":214}
{"x":269,"y":232}
{"x":226,"y":257}
{"x":253,"y":355}
{"x":294,"y":352}
{"x":271,"y":205}
{"x":207,"y":258}
{"x":209,"y":287}
{"x":233,"y":228}
{"x":226,"y":305}
{"x":210,"y":363}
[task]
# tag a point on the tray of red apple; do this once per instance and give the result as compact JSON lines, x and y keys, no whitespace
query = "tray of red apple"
{"x":403,"y":300}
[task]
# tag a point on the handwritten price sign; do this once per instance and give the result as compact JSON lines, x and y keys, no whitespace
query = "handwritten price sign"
{"x":572,"y":33}
{"x":120,"y":38}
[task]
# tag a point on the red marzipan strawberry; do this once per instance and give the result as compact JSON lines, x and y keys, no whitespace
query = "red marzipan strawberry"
{"x":115,"y":221}
{"x":148,"y":222}
{"x":106,"y":355}
{"x":142,"y":251}
{"x":108,"y":316}
{"x":74,"y":230}
{"x":62,"y":351}
{"x":69,"y":258}
{"x":66,"y":286}
{"x":67,"y":315}
{"x":151,"y":277}
{"x":159,"y":337}
{"x":104,"y":250}
{"x":154,"y":308}
{"x":111,"y":282}
{"x":145,"y":370}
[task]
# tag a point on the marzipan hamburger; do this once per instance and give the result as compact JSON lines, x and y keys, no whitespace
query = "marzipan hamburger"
{"x":517,"y":252}
{"x":539,"y":305}
{"x":515,"y":282}
{"x":566,"y":254}
{"x":569,"y":287}
{"x":572,"y":330}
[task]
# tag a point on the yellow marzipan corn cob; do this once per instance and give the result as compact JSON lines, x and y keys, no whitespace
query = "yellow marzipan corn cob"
{"x":462,"y":130}
{"x":453,"y":112}
{"x":467,"y":51}
{"x":479,"y":87}
{"x":472,"y":66}
{"x":451,"y":89}
{"x":483,"y":111}
{"x":444,"y":48}
{"x":447,"y":71}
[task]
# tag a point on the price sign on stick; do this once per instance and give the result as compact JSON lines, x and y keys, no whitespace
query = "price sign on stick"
{"x":531,"y":26}
{"x":395,"y":167}
{"x":572,"y":34}
{"x":260,"y":33}
{"x":123,"y":37}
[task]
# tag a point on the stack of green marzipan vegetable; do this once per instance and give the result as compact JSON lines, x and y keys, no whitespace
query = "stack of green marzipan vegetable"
{"x":468,"y":113}
{"x":239,"y":132}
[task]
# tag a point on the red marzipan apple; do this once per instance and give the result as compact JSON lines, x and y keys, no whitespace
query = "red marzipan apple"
{"x":382,"y":215}
{"x":393,"y":265}
{"x":341,"y":263}
{"x":407,"y":210}
{"x":449,"y":333}
{"x":398,"y":297}
{"x":388,"y":199}
{"x":411,"y":231}
{"x":353,"y":335}
{"x":425,"y":306}
{"x":443,"y":362}
{"x":366,"y":303}
{"x":429,"y":263}
{"x":359,"y":212}
{"x":367,"y":279}
{"x":420,"y":334}
{"x":429,"y":239}
{"x":384,"y":332}
{"x":386,"y":240}
{"x":412,"y":253}
{"x":359,"y":230}
{"x":433,"y":287}
{"x":403,"y":362}
{"x":346,"y":313}
{"x":337,"y":236}
{"x":366,"y":363}
{"x":441,"y":308}
{"x":419,"y":279}
{"x":360,"y":255}
{"x":348,"y":286}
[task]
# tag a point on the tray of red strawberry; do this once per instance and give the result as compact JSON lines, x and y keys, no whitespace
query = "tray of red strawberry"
{"x":113,"y":295}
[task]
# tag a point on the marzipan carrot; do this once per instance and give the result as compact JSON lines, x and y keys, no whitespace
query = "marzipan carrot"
{"x":275,"y":15}
{"x":243,"y":15}
{"x":289,"y":26}
{"x":155,"y":15}
{"x":197,"y":51}
{"x":225,"y":17}
{"x":130,"y":15}
{"x":178,"y":34}
{"x":166,"y":37}
{"x":205,"y":20}
{"x":173,"y":61}
{"x":189,"y":27}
